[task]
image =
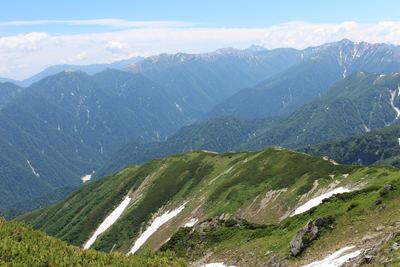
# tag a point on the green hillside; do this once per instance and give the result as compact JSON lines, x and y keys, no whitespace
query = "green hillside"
{"x":359,"y":103}
{"x":380,"y":146}
{"x":22,"y":246}
{"x":8,"y":91}
{"x":256,"y":190}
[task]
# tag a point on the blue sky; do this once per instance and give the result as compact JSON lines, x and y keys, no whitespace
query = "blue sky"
{"x":37,"y":34}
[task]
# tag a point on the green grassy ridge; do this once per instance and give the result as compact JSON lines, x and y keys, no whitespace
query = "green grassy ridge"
{"x":245,"y":243}
{"x":22,"y":246}
{"x":280,"y":169}
{"x":182,"y":177}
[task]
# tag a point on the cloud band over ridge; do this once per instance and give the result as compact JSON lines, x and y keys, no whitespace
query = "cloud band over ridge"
{"x":38,"y":50}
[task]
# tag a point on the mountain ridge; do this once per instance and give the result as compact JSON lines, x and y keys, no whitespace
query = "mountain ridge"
{"x":283,"y":93}
{"x":89,"y":69}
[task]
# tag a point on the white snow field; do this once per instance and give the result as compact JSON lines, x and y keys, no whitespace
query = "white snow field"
{"x":216,"y":264}
{"x":318,"y":200}
{"x":333,"y":260}
{"x":110,"y":220}
{"x":86,"y":178}
{"x":158,"y":222}
{"x":191,"y":223}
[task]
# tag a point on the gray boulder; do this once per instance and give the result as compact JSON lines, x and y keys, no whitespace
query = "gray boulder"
{"x":296,"y":245}
{"x":388,"y":187}
{"x":378,"y":202}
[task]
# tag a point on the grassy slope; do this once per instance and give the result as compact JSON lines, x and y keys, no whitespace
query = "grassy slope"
{"x":22,"y":246}
{"x":261,"y":187}
{"x":354,"y":223}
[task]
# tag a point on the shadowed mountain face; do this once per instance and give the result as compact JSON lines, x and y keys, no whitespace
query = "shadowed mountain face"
{"x":66,"y":125}
{"x":307,"y":80}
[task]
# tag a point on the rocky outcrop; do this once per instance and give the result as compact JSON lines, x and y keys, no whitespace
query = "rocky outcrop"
{"x":297,"y":245}
{"x":388,"y":187}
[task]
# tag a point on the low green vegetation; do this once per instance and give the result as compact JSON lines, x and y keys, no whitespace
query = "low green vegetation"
{"x":22,"y":246}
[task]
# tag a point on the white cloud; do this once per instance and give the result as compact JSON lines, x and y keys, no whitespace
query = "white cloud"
{"x":79,"y":57}
{"x":23,"y":42}
{"x":117,"y":47}
{"x":301,"y":35}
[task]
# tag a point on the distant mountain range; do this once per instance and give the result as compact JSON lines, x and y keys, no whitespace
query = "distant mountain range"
{"x":89,"y":69}
{"x":203,"y":80}
{"x":307,"y":80}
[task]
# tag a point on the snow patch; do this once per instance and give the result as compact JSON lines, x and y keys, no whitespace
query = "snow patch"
{"x":178,"y":107}
{"x":86,"y":177}
{"x":109,"y":221}
{"x":88,"y":113}
{"x":191,"y":223}
{"x":393,"y":94}
{"x":318,"y":200}
{"x":216,"y":264}
{"x":158,"y":222}
{"x":335,"y":260}
{"x":33,"y":170}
